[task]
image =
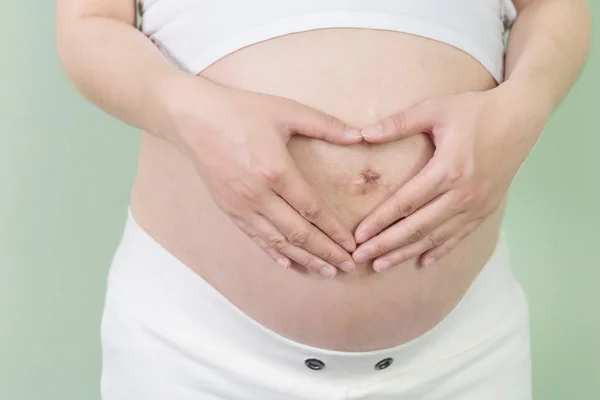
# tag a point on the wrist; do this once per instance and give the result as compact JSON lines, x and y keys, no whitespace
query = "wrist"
{"x":526,"y":96}
{"x":181,"y":97}
{"x":523,"y":111}
{"x":164,"y":98}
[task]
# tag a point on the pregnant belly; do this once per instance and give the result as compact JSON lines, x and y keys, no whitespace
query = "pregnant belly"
{"x":358,"y":76}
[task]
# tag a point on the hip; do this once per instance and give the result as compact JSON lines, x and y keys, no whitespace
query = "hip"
{"x":168,"y":333}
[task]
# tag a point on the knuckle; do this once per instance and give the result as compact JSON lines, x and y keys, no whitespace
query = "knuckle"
{"x":404,"y":208}
{"x":468,"y":198}
{"x":327,"y":256}
{"x":311,"y":212}
{"x":245,"y":191}
{"x":276,"y":242}
{"x":416,"y":234}
{"x":234,"y":212}
{"x":299,"y":238}
{"x":272,"y":175}
{"x":453,"y":176}
{"x":381,"y":248}
{"x":253,"y":235}
{"x":399,"y":121}
{"x":436,"y":238}
{"x":461,"y":171}
{"x":327,"y":120}
{"x":308,"y":262}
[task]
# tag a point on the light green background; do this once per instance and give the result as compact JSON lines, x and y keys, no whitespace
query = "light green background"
{"x":66,"y":170}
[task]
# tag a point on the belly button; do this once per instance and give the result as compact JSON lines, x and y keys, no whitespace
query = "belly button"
{"x":366,"y":182}
{"x":370,"y":176}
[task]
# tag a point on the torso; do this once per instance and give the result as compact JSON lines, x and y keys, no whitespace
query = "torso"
{"x":358,"y":76}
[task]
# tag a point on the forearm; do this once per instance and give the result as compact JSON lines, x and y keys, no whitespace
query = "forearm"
{"x":547,"y":48}
{"x":116,"y":67}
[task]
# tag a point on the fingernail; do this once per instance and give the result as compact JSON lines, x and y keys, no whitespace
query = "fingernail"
{"x":347,"y":266}
{"x":361,"y":258}
{"x":429,"y":261}
{"x":283,"y":262}
{"x":372,"y":131}
{"x":353,"y":134}
{"x":381,"y":266}
{"x":361,"y":236}
{"x":348,"y":246}
{"x":327,"y":272}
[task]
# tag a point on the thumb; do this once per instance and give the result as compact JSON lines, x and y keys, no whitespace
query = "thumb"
{"x":412,"y":121}
{"x":313,"y":123}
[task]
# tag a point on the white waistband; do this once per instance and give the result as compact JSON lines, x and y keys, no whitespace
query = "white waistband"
{"x":184,"y":310}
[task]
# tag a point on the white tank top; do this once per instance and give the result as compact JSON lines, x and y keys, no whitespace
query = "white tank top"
{"x":195,"y":33}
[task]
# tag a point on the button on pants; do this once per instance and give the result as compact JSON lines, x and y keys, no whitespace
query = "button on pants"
{"x":169,"y":335}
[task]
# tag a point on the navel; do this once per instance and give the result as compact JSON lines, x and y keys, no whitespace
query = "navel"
{"x":370,"y":176}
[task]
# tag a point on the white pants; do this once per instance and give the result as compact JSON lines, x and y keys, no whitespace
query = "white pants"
{"x":169,"y":335}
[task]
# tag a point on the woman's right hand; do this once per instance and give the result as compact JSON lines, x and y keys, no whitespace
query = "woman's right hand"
{"x":238,"y":145}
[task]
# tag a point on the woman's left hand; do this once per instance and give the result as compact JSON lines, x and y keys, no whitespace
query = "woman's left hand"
{"x":481,"y":140}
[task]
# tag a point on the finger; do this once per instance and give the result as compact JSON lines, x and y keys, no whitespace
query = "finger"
{"x":257,"y":238}
{"x":447,"y":230}
{"x":274,"y":254}
{"x":275,"y":240}
{"x":301,"y":233}
{"x":412,"y":121}
{"x":310,"y":122}
{"x":442,"y":250}
{"x":301,"y":196}
{"x":421,"y":189}
{"x":418,"y":226}
{"x":309,"y":261}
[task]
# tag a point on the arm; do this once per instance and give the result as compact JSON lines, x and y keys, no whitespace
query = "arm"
{"x":114,"y":65}
{"x":548,"y":46}
{"x":547,"y":49}
{"x":258,"y":186}
{"x":481,"y":139}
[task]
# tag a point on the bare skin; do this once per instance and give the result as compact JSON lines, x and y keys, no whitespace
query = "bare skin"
{"x":363,"y":310}
{"x":174,"y":196}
